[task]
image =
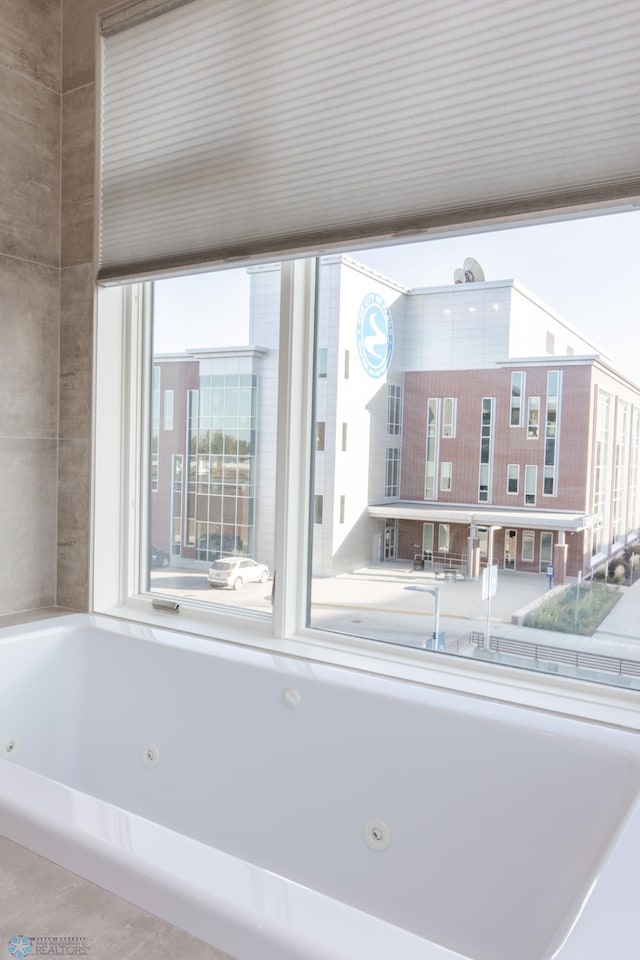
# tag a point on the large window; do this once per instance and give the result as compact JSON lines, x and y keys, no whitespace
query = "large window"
{"x":274,"y":456}
{"x":392,"y":472}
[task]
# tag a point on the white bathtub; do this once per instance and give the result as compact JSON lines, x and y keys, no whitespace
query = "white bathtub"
{"x":285,"y":810}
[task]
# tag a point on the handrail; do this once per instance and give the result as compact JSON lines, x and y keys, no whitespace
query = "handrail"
{"x":576,"y":658}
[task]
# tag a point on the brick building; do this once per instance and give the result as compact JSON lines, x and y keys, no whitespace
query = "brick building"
{"x":479,"y":423}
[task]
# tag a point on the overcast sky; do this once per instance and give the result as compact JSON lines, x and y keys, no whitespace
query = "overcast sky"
{"x":586,"y":270}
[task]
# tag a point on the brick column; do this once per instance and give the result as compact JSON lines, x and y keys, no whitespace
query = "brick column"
{"x":560,"y":564}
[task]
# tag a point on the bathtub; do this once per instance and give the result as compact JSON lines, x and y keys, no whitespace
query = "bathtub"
{"x":282,"y":809}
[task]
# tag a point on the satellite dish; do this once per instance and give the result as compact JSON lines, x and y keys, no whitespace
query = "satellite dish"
{"x":469,"y":272}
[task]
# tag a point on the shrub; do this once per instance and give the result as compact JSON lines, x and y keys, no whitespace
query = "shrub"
{"x":558,"y":613}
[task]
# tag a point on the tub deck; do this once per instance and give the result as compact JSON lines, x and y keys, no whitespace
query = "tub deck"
{"x":232,"y":793}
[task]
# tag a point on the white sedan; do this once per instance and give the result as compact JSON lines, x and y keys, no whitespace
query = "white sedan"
{"x":234,"y":571}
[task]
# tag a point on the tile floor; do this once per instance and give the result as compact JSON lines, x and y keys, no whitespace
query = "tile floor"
{"x":40,"y":899}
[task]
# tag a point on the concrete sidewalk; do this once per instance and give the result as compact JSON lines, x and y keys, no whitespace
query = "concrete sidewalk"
{"x":395,"y":603}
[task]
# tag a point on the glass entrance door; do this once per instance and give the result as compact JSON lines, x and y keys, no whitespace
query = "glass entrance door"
{"x":546,"y":551}
{"x":510,"y":549}
{"x":390,"y":538}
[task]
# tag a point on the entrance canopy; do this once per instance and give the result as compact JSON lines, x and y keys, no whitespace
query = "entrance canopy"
{"x":479,"y":516}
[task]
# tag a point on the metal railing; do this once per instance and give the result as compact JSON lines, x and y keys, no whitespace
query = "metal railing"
{"x":574,"y":658}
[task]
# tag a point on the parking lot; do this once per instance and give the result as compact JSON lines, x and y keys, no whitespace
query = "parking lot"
{"x":388,"y":601}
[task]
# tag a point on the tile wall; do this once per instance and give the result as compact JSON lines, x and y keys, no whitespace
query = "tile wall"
{"x":30,"y":56}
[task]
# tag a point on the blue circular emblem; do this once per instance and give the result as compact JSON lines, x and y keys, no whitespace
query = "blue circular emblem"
{"x":20,"y":947}
{"x":375,"y":335}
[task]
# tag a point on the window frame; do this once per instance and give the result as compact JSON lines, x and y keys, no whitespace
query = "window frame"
{"x":120,"y":459}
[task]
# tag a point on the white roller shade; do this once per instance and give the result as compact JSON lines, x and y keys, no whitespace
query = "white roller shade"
{"x":232,"y":127}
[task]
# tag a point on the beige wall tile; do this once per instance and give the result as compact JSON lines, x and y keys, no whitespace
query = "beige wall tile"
{"x":29,"y":349}
{"x":74,"y":501}
{"x":78,"y":152}
{"x":27,"y":562}
{"x":30,"y":39}
{"x":29,"y":169}
{"x":76,"y":351}
{"x":78,"y":40}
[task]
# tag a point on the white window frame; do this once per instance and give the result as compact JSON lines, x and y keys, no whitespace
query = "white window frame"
{"x":120,"y":504}
{"x":515,"y":468}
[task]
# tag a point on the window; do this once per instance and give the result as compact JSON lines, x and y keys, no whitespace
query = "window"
{"x":530,"y":484}
{"x":621,"y":469}
{"x":323,"y":355}
{"x":427,"y":539}
{"x":155,"y":427}
{"x":346,"y":365}
{"x":517,"y":391}
{"x":394,"y":409}
{"x":533,"y":418}
{"x":216,"y":485}
{"x":431,"y":460}
{"x":392,"y":472}
{"x":449,"y":417}
{"x":528,"y":546}
{"x":444,"y":533}
{"x":167,"y":421}
{"x":550,"y":343}
{"x":601,"y":471}
{"x":486,"y":450}
{"x":554,"y":380}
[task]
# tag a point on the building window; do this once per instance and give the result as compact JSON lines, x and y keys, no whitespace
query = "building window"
{"x":318,"y":508}
{"x":530,"y":484}
{"x":431,"y":459}
{"x":551,"y":343}
{"x":342,"y":507}
{"x":444,"y":531}
{"x":346,"y":364}
{"x":513,"y":477}
{"x":427,"y":540}
{"x":517,"y":392}
{"x":323,"y":358}
{"x":533,"y":418}
{"x":344,"y":437}
{"x":320,"y":435}
{"x":449,"y":405}
{"x":394,"y":409}
{"x":528,"y":546}
{"x":620,"y":471}
{"x":167,"y":419}
{"x":446,"y":475}
{"x":155,"y":427}
{"x":177,"y":467}
{"x":601,"y":491}
{"x":551,"y":432}
{"x":392,"y":472}
{"x":486,"y":449}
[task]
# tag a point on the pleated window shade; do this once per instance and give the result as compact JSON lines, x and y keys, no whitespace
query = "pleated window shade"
{"x":236,"y":127}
